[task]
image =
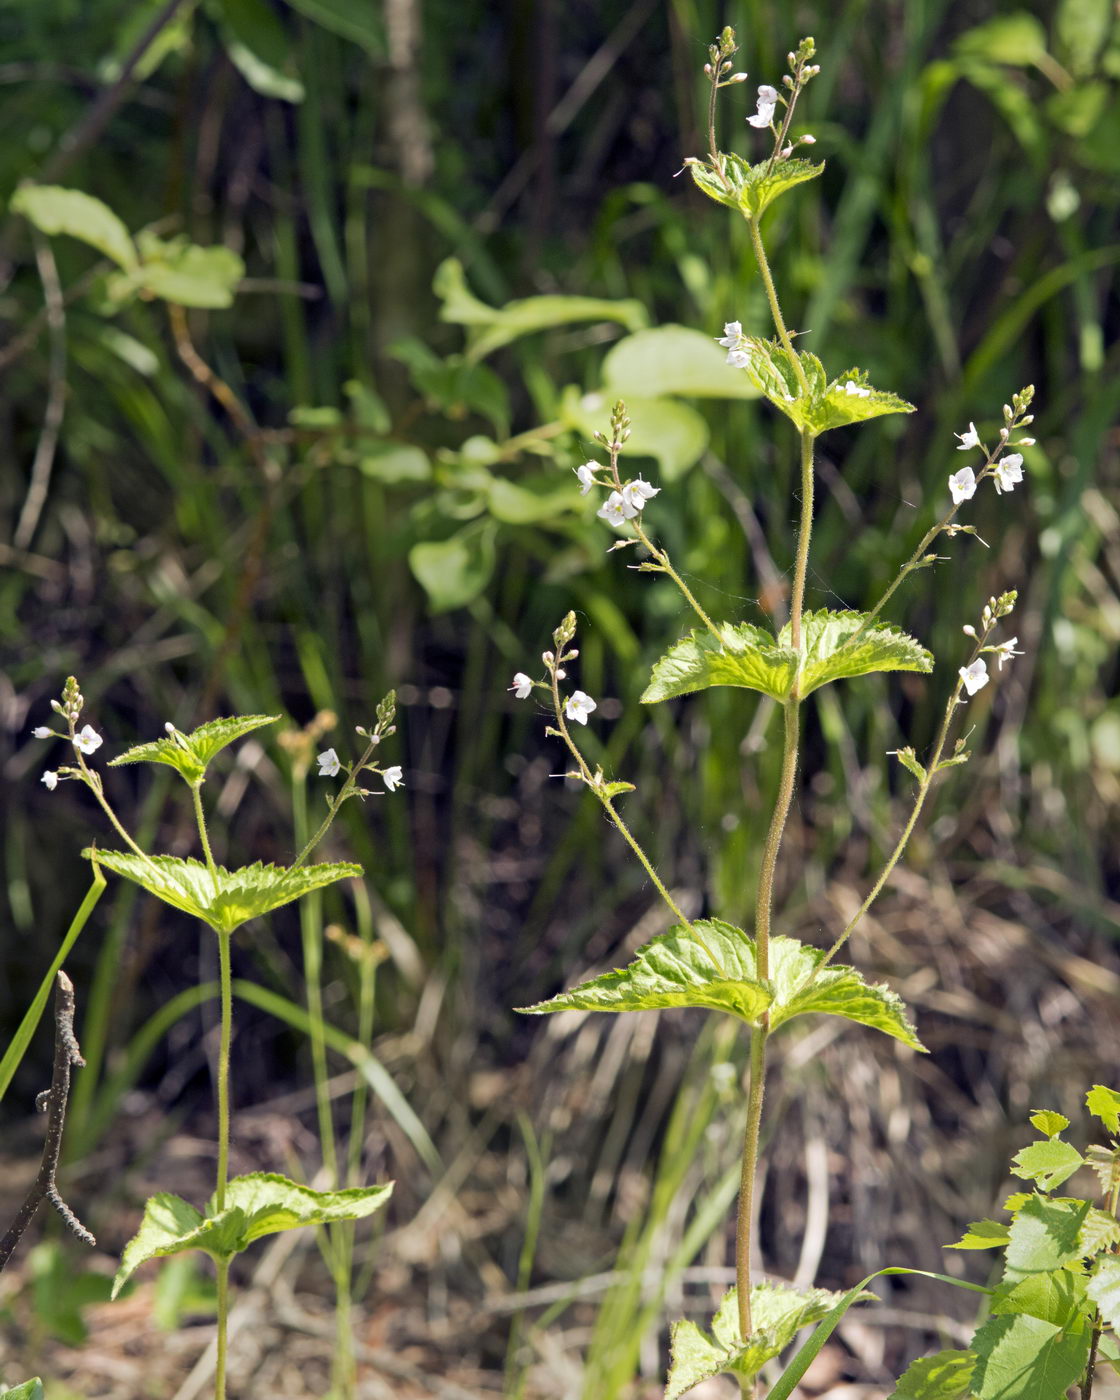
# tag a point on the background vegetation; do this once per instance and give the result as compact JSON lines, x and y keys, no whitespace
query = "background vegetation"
{"x":389,"y":504}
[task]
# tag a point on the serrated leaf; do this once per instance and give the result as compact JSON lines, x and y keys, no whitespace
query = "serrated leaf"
{"x":1017,"y":1200}
{"x":837,"y":991}
{"x":1105,"y":1162}
{"x":1045,"y":1235}
{"x":1025,"y":1358}
{"x":713,"y":967}
{"x":947,"y":1375}
{"x":234,"y":898}
{"x":751,"y":188}
{"x":189,"y":754}
{"x":1057,"y":1296}
{"x":1045,"y":1120}
{"x":778,"y":1312}
{"x":983,"y":1234}
{"x":187,"y":273}
{"x":1099,"y":1231}
{"x":1049,"y":1163}
{"x":838,"y":646}
{"x":909,"y":761}
{"x":259,"y":1204}
{"x":54,"y":210}
{"x":1104,"y":1289}
{"x":773,"y":371}
{"x":1104,"y":1103}
{"x":838,"y":406}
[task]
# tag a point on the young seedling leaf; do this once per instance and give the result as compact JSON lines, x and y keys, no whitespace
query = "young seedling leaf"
{"x":1104,"y":1103}
{"x":1045,"y":1120}
{"x":1049,"y":1163}
{"x":614,"y":789}
{"x":837,"y":991}
{"x":909,"y":761}
{"x":1024,"y":1358}
{"x":234,"y":898}
{"x":772,"y":370}
{"x":1057,"y":1296}
{"x":54,"y":210}
{"x":740,"y":655}
{"x":1104,"y":1289}
{"x":26,"y":1390}
{"x":778,"y":1312}
{"x":261,"y":1203}
{"x":712,"y":966}
{"x":750,"y":188}
{"x":839,"y":645}
{"x":947,"y":1375}
{"x":840,"y":405}
{"x":189,"y":754}
{"x":1045,"y":1235}
{"x":983,"y":1234}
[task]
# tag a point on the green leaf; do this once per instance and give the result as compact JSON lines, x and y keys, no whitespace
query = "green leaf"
{"x":1099,"y":1231}
{"x":455,"y":571}
{"x":672,"y":360}
{"x":1104,"y":1289}
{"x":772,"y":371}
{"x":751,"y":188}
{"x":909,"y":761}
{"x":1044,"y":1235}
{"x":361,"y":24}
{"x":1105,"y":1162}
{"x":240,"y":895}
{"x":713,"y":968}
{"x":947,"y":1375}
{"x":26,"y":1390}
{"x":259,"y":1204}
{"x":1024,"y":1358}
{"x":838,"y":406}
{"x":1057,"y":1296}
{"x":838,"y":645}
{"x":54,"y":210}
{"x":837,"y":991}
{"x":519,"y":505}
{"x":189,"y":754}
{"x":1104,"y":1103}
{"x":1045,"y":1120}
{"x":394,"y":462}
{"x":983,"y":1234}
{"x":614,"y":789}
{"x":778,"y":1312}
{"x":673,"y":433}
{"x":258,"y":47}
{"x":1049,"y":1163}
{"x":1017,"y":39}
{"x":186,"y":273}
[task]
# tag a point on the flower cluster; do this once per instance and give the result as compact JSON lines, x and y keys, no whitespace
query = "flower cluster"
{"x":626,"y":499}
{"x":769,"y":99}
{"x":330,"y":765}
{"x":1006,"y":472}
{"x":85,"y":740}
{"x":974,"y":676}
{"x":577,"y":706}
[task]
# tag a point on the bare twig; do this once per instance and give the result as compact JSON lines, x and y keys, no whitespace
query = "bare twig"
{"x":43,"y":464}
{"x":45,"y":1187}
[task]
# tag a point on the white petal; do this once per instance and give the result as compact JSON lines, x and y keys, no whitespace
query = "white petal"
{"x":50,"y":779}
{"x":42,"y":732}
{"x":393,"y":778}
{"x":522,"y":686}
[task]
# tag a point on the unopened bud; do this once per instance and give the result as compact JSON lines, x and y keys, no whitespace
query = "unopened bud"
{"x":738,"y":78}
{"x":807,"y":141}
{"x":1025,"y":442}
{"x":708,"y":70}
{"x":969,"y":630}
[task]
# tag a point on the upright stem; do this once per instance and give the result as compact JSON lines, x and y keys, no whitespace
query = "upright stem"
{"x":759,"y":1036}
{"x":223,"y":1314}
{"x":775,"y":309}
{"x":223,"y":1153}
{"x":804,"y":535}
{"x":200,"y":818}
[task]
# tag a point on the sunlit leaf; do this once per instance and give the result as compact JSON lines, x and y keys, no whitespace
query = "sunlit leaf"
{"x":1057,"y":1296}
{"x":1024,"y":1358}
{"x":190,"y":754}
{"x":186,"y":273}
{"x":1044,"y":1235}
{"x":983,"y":1234}
{"x":1104,"y":1103}
{"x":54,"y":210}
{"x":673,"y":433}
{"x":257,"y":44}
{"x":454,"y":572}
{"x":1049,"y":1163}
{"x":839,"y":645}
{"x":672,"y":360}
{"x":1104,"y":1289}
{"x":1105,"y":1162}
{"x":947,"y":1375}
{"x":1046,"y":1121}
{"x":835,"y":991}
{"x":26,"y":1390}
{"x":839,"y":407}
{"x":751,"y":188}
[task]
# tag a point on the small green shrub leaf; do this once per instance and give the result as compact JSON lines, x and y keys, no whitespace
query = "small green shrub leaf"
{"x":983,"y":1234}
{"x":454,"y":572}
{"x":711,"y":966}
{"x":261,"y":1203}
{"x":187,"y":274}
{"x":258,"y":46}
{"x":751,"y":188}
{"x":1046,"y":1121}
{"x":1104,"y":1103}
{"x":1044,"y":1235}
{"x":26,"y":1390}
{"x":1049,"y":1163}
{"x":778,"y":1312}
{"x":239,"y":895}
{"x":189,"y":754}
{"x":837,"y":991}
{"x":54,"y":210}
{"x":1024,"y":1358}
{"x":1104,"y":1289}
{"x":947,"y":1375}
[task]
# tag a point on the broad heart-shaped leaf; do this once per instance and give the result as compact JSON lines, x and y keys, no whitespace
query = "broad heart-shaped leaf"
{"x":1104,"y":1103}
{"x":840,"y":406}
{"x":672,"y":360}
{"x":240,"y":895}
{"x":54,"y":210}
{"x":676,"y":969}
{"x":26,"y":1390}
{"x":261,"y":1203}
{"x":778,"y":1312}
{"x":189,"y":754}
{"x":835,"y":648}
{"x":1049,"y":1163}
{"x":1104,"y":1289}
{"x":751,"y":188}
{"x":947,"y":1375}
{"x":1020,"y":1357}
{"x":1044,"y":1235}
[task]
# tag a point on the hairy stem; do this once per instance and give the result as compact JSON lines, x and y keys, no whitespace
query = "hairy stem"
{"x":223,"y":1330}
{"x":804,"y":535}
{"x":775,"y":308}
{"x":759,"y":1035}
{"x":203,"y":835}
{"x":226,"y":978}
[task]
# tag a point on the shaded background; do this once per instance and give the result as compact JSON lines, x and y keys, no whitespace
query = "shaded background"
{"x":961,"y":243}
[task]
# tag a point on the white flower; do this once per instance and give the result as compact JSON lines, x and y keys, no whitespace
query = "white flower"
{"x":738,"y":359}
{"x":962,"y":485}
{"x":328,"y":763}
{"x":807,"y":141}
{"x":637,"y":493}
{"x":1006,"y":650}
{"x":975,"y":677}
{"x":578,"y":706}
{"x":88,"y":740}
{"x":51,"y":779}
{"x":522,"y":686}
{"x":732,"y":330}
{"x":586,"y":475}
{"x":1008,"y":472}
{"x":393,"y":777}
{"x":767,"y":101}
{"x":42,"y":732}
{"x":968,"y":440}
{"x":616,"y":509}
{"x":856,"y":390}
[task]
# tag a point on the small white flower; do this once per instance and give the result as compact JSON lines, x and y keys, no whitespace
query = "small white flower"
{"x":738,"y":359}
{"x":732,"y":330}
{"x":767,"y":101}
{"x":393,"y":778}
{"x":637,"y":493}
{"x":975,"y":677}
{"x":962,"y":485}
{"x":88,"y":740}
{"x":968,"y":440}
{"x":578,"y":706}
{"x":328,"y":763}
{"x":1008,"y":472}
{"x":42,"y":732}
{"x":1006,"y":650}
{"x":51,"y":780}
{"x":856,"y":390}
{"x":616,"y":509}
{"x":586,"y":475}
{"x":522,"y":686}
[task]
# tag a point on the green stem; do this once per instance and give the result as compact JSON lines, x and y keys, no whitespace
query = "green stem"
{"x":804,"y":535}
{"x":223,"y":1330}
{"x":665,"y":566}
{"x":765,"y":901}
{"x":349,"y":787}
{"x":745,"y":1214}
{"x":226,"y":980}
{"x":200,"y":818}
{"x":775,"y":308}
